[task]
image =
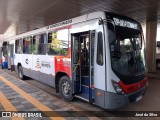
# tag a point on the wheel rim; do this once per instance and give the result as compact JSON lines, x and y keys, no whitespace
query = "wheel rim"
{"x":66,"y":88}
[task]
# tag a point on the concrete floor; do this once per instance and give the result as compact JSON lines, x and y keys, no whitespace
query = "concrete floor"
{"x":150,"y":101}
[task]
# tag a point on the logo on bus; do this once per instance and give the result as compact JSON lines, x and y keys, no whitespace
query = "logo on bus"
{"x":45,"y":64}
{"x":26,"y":61}
{"x":38,"y":64}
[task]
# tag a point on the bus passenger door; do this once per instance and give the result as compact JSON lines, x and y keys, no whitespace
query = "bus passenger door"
{"x":76,"y":70}
{"x":83,"y":65}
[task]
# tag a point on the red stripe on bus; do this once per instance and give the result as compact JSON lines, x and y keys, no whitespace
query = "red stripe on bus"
{"x":63,"y":64}
{"x":133,"y":87}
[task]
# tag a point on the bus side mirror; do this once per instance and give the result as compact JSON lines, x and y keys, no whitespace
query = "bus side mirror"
{"x":100,"y":22}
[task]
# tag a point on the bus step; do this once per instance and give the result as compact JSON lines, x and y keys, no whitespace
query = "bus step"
{"x":83,"y":97}
{"x":85,"y":90}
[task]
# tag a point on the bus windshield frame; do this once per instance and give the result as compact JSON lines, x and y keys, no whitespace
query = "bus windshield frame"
{"x":127,"y":51}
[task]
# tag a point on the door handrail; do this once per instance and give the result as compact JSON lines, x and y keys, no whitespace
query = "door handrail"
{"x":77,"y":65}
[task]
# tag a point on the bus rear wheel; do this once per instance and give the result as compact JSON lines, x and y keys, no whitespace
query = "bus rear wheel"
{"x":20,"y":73}
{"x":65,"y":88}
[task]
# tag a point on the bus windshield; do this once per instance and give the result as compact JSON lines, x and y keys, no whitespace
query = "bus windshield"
{"x":127,"y":51}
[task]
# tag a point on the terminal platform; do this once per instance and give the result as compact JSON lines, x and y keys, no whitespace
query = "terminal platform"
{"x":27,"y":96}
{"x":17,"y":95}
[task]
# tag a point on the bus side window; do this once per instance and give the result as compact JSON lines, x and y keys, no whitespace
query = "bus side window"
{"x":18,"y":46}
{"x":50,"y":50}
{"x":4,"y":51}
{"x":39,"y":44}
{"x":44,"y":44}
{"x":58,"y":42}
{"x":35,"y":45}
{"x":27,"y":45}
{"x":100,"y":49}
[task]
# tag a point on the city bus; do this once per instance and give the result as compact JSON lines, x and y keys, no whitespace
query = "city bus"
{"x":98,"y":57}
{"x":4,"y":53}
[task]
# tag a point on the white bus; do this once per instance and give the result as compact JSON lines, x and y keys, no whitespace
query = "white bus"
{"x":4,"y":57}
{"x":98,"y":57}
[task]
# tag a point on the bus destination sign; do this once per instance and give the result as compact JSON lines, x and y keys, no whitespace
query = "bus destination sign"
{"x":125,"y":23}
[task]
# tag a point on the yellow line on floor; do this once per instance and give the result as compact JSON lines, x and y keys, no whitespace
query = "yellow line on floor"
{"x":63,"y":102}
{"x":32,"y":100}
{"x":8,"y":106}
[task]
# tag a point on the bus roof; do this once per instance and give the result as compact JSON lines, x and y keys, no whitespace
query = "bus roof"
{"x":68,"y":22}
{"x":83,"y":18}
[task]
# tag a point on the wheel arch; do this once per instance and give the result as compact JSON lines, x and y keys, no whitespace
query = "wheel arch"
{"x":57,"y":79}
{"x":19,"y":64}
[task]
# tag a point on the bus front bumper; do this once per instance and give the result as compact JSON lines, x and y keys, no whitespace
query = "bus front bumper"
{"x":114,"y":101}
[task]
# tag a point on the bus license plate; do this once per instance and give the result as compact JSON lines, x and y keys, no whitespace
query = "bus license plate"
{"x":138,"y":98}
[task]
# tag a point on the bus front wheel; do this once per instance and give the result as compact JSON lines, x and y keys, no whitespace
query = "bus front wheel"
{"x":65,"y":88}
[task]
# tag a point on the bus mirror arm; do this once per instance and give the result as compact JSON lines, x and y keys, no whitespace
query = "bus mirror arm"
{"x":100,"y":22}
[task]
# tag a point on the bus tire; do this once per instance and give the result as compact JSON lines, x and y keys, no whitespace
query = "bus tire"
{"x":20,"y":73}
{"x":65,"y":88}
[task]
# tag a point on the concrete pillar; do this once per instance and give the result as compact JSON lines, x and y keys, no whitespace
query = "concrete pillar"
{"x":151,"y":31}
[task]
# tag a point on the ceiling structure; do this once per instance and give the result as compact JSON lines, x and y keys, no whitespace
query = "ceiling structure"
{"x":19,"y":16}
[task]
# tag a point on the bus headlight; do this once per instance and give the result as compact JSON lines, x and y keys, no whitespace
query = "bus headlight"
{"x":117,"y":88}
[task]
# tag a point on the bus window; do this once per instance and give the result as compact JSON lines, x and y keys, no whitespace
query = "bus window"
{"x":18,"y":46}
{"x":58,"y":42}
{"x":39,"y":44}
{"x":27,"y":45}
{"x":5,"y":51}
{"x":100,"y":49}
